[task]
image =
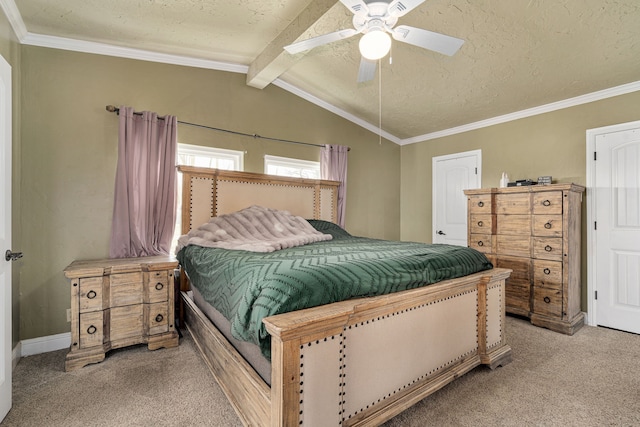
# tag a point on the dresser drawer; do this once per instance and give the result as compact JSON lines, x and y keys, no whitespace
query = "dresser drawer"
{"x":480,"y":204}
{"x":513,"y":245}
{"x":520,"y":266}
{"x":91,"y":294}
{"x":482,"y":224}
{"x":481,"y":242}
{"x":126,"y":322}
{"x":91,"y":329}
{"x":516,"y":203}
{"x":514,"y":224}
{"x":518,"y":297}
{"x":157,"y":286}
{"x":547,"y":274}
{"x":547,"y":203}
{"x":547,"y":302}
{"x":157,"y":318}
{"x":125,"y":289}
{"x":547,"y":248}
{"x":547,"y":225}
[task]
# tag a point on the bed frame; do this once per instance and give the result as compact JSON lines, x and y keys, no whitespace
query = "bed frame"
{"x":352,"y":363}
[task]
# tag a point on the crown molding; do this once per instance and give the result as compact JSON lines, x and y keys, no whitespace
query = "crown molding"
{"x":129,"y":53}
{"x":24,"y":37}
{"x":15,"y":19}
{"x":542,"y":109}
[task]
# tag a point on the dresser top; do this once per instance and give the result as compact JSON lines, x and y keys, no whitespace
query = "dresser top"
{"x":103,"y":267}
{"x":527,"y":189}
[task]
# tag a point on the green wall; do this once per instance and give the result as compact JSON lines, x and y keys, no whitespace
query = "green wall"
{"x":547,"y":144}
{"x":10,"y":51}
{"x":69,"y":151}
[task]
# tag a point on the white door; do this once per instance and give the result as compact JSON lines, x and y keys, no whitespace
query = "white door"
{"x":617,"y":229}
{"x":452,"y":174}
{"x":5,"y":237}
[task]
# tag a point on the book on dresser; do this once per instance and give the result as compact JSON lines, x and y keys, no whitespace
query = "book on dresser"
{"x":120,"y":302}
{"x":535,"y":231}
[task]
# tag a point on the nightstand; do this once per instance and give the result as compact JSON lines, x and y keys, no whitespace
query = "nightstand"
{"x":120,"y":302}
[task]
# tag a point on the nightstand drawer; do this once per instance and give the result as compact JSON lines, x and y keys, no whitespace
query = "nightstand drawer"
{"x":126,"y":289}
{"x":90,"y":297}
{"x":126,"y":322}
{"x":157,"y":286}
{"x":91,"y":329}
{"x":157,"y":316}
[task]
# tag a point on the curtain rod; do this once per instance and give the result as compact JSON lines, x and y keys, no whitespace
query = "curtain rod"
{"x":114,"y":109}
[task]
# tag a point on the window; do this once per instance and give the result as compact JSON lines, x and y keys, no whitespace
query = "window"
{"x":208,"y":157}
{"x":284,"y":166}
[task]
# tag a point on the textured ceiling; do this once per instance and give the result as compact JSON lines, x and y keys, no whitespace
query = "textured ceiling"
{"x":518,"y":54}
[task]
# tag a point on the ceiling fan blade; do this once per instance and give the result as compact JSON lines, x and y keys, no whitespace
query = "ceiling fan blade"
{"x":400,"y":8}
{"x":319,"y":41}
{"x":437,"y":42}
{"x":367,"y":70}
{"x":357,"y":7}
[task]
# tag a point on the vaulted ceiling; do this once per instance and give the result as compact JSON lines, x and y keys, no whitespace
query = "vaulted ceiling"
{"x":517,"y":55}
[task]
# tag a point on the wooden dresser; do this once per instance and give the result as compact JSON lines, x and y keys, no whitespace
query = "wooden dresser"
{"x":535,"y":231}
{"x":120,"y":302}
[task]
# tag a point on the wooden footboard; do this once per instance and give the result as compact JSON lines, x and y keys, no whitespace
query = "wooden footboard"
{"x":361,"y":362}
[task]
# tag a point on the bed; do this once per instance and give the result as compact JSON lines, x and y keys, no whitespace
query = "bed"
{"x":347,"y":363}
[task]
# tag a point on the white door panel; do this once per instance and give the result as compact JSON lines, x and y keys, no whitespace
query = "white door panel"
{"x":617,"y":209}
{"x":5,"y":237}
{"x":451,"y":176}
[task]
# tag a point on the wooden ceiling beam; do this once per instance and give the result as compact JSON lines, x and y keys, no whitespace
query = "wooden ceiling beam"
{"x":274,"y":60}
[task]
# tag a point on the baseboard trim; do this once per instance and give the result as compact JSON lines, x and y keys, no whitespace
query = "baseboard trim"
{"x":15,"y":355}
{"x":44,"y":344}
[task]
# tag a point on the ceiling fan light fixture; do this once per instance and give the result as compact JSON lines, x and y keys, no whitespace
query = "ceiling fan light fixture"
{"x":375,"y":44}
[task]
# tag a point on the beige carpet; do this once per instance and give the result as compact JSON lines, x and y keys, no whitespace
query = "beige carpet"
{"x":589,"y":379}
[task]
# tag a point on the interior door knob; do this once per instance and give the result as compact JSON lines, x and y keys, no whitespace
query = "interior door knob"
{"x":12,"y":256}
{"x":440,"y":232}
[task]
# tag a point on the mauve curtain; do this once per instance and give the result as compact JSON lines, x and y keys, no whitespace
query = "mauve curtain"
{"x":144,"y":210}
{"x":333,"y":166}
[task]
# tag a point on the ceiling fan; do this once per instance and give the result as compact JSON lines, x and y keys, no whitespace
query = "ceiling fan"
{"x":376,"y":19}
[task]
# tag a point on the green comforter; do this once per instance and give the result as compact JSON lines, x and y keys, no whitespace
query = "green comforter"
{"x":247,"y":286}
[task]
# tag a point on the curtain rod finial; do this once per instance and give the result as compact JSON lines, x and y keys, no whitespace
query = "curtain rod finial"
{"x":112,"y":109}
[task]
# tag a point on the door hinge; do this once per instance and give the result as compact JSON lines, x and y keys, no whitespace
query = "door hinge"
{"x":476,"y":171}
{"x":596,"y":294}
{"x":595,"y":155}
{"x":595,"y":225}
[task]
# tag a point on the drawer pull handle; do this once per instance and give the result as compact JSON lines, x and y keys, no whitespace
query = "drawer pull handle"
{"x":480,"y":243}
{"x":91,"y":330}
{"x":91,"y":294}
{"x":546,"y":203}
{"x":480,"y":204}
{"x":548,"y":248}
{"x":547,"y":271}
{"x":547,"y":225}
{"x":480,"y":223}
{"x":159,"y":286}
{"x":159,"y":318}
{"x":547,"y":300}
